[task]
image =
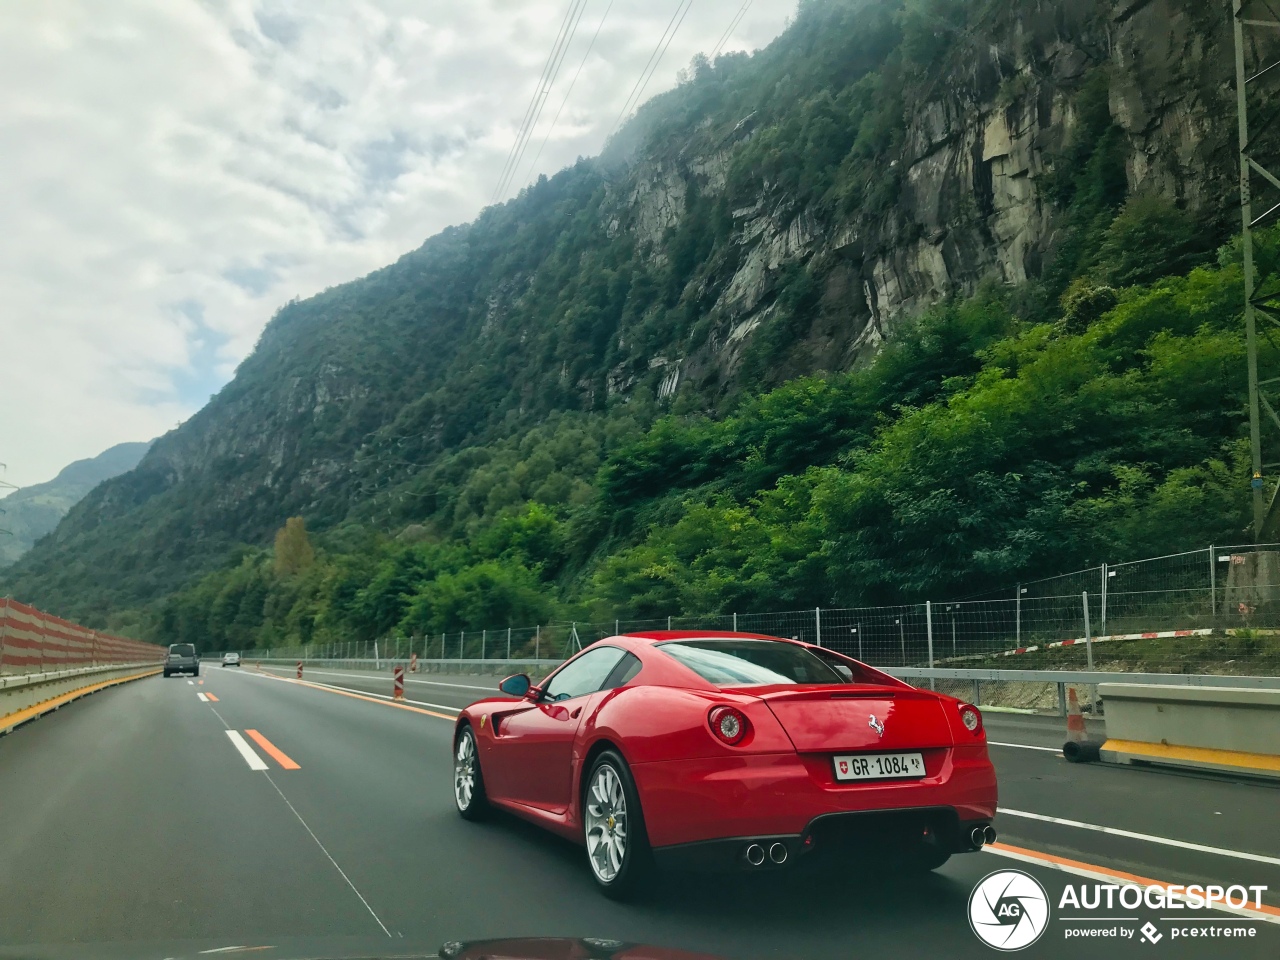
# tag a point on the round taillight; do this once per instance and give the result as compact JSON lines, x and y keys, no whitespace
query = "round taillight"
{"x":971,"y":718}
{"x":728,"y":724}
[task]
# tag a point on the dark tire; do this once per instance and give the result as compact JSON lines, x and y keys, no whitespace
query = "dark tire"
{"x":195,"y":673}
{"x":618,"y":852}
{"x":468,"y":782}
{"x":167,"y":674}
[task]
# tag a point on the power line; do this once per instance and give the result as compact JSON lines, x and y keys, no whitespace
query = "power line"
{"x":564,"y":50}
{"x":572,"y":84}
{"x":558,"y":52}
{"x":528,"y":112}
{"x":655,"y":58}
{"x":733,"y":25}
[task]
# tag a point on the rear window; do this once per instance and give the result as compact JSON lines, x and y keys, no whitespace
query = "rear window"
{"x":733,"y":662}
{"x":182,"y":650}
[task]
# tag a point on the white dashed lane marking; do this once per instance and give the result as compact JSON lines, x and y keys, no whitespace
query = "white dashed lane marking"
{"x":254,"y":761}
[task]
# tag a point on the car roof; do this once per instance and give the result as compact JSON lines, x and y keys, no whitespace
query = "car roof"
{"x":659,"y":636}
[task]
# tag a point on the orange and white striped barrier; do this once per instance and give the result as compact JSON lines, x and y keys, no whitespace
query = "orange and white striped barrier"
{"x":1075,"y":719}
{"x":398,"y":690}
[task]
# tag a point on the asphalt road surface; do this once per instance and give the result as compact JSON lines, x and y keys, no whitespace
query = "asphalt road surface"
{"x":164,"y":818}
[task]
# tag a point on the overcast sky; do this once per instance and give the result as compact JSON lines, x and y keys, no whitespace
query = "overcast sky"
{"x":172,"y":171}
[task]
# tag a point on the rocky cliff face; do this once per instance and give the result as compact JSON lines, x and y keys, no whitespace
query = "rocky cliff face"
{"x":981,"y":136}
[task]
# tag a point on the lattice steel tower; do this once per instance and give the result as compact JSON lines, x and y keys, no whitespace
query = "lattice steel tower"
{"x":1256,"y":24}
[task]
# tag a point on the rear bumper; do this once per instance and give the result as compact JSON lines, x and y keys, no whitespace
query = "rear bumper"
{"x":862,"y":835}
{"x":790,"y":795}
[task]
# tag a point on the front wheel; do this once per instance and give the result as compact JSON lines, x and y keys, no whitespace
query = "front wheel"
{"x":613,"y":825}
{"x":468,"y":784}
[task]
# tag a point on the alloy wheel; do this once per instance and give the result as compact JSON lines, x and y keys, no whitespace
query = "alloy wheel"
{"x":464,"y":770}
{"x":606,"y":824}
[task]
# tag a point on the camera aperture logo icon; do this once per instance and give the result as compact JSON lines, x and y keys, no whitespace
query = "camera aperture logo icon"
{"x":1008,"y":910}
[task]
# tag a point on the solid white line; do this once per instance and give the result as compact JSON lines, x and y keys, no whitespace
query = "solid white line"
{"x":1024,"y":746}
{"x":254,"y":761}
{"x":203,"y":698}
{"x":372,"y":674}
{"x":331,"y":860}
{"x":1117,"y":832}
{"x":1106,"y":877}
{"x":363,"y":693}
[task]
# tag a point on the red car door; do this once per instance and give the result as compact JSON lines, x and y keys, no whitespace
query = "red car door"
{"x":534,"y":747}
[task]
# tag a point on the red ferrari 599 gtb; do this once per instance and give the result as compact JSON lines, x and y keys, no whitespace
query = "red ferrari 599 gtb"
{"x":708,"y":750}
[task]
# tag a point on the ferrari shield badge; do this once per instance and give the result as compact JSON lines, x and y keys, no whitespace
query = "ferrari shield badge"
{"x":483,"y":718}
{"x":876,"y":725}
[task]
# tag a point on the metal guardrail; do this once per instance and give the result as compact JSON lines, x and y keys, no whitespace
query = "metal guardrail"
{"x":28,"y":696}
{"x":361,"y":663}
{"x":1084,"y":677}
{"x":14,"y":682}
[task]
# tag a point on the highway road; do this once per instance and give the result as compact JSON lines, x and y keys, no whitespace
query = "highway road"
{"x":163,"y":818}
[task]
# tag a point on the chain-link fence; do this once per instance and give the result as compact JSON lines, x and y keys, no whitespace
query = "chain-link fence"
{"x":1213,"y":610}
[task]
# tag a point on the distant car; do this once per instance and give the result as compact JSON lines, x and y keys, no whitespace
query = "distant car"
{"x":181,"y":658}
{"x":231,"y":659}
{"x":729,"y":751}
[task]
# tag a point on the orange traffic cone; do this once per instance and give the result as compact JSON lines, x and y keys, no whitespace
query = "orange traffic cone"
{"x":1075,"y":719}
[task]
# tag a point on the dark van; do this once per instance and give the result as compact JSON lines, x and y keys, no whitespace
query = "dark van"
{"x":181,"y":658}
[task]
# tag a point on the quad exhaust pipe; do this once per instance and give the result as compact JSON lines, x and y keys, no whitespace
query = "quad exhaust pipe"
{"x":980,"y":836}
{"x":777,"y":854}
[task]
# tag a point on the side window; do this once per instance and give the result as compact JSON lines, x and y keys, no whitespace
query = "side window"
{"x":583,"y":675}
{"x":623,"y":672}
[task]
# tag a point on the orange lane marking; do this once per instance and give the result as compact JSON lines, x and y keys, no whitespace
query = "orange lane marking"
{"x":1074,"y":865}
{"x":345,"y":693}
{"x":212,"y":697}
{"x":276,"y":753}
{"x":200,"y":682}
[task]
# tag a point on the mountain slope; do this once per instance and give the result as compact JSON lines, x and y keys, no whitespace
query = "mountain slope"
{"x":33,"y":511}
{"x":774,"y":215}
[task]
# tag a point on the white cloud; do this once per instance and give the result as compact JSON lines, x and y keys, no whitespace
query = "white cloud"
{"x":174,"y":170}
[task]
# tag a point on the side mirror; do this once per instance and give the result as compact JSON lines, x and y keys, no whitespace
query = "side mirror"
{"x":516,"y":686}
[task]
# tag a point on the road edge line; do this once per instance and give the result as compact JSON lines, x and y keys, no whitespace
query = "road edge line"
{"x":1265,"y":913}
{"x":1147,"y":837}
{"x":359,"y":696}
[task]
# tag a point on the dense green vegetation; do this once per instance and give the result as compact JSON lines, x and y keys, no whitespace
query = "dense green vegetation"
{"x":980,"y":446}
{"x":474,"y":438}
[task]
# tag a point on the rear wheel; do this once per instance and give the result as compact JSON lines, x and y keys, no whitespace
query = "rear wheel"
{"x":613,"y":825}
{"x":468,"y":784}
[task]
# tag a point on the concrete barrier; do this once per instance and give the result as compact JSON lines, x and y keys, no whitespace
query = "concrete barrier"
{"x":24,"y":698}
{"x":1225,"y":729}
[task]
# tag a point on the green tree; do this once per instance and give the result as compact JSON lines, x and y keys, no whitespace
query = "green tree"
{"x":294,"y":552}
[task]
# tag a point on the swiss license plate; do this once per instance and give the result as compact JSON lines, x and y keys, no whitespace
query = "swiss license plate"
{"x":879,"y":766}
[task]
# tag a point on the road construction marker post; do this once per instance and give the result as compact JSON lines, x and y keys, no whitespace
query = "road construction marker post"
{"x":399,"y":684}
{"x":413,"y":663}
{"x":1075,"y":719}
{"x":299,"y":669}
